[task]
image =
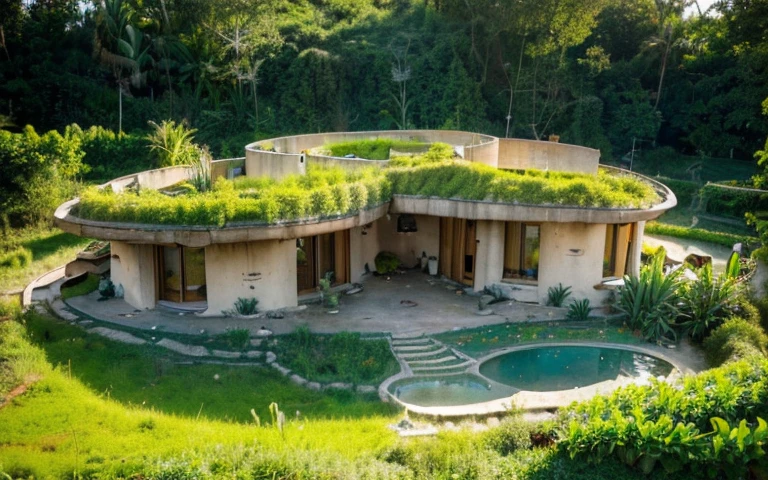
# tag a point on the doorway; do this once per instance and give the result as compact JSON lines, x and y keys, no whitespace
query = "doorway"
{"x":320,"y":256}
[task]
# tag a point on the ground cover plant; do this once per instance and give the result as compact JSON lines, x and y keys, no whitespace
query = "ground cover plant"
{"x":90,"y":284}
{"x":49,"y":248}
{"x":329,"y":192}
{"x":345,"y":357}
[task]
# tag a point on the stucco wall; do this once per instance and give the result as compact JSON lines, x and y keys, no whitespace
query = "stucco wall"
{"x":133,"y":267}
{"x":572,"y":254}
{"x":633,"y":267}
{"x":265,"y":270}
{"x":521,"y":154}
{"x":489,"y":257}
{"x":408,"y":246}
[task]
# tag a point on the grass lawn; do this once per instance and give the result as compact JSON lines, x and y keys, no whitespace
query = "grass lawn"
{"x":70,"y":425}
{"x":152,"y":377}
{"x":50,"y":248}
{"x":479,"y":341}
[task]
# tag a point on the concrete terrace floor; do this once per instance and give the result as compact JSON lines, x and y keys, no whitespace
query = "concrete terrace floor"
{"x":377,"y":309}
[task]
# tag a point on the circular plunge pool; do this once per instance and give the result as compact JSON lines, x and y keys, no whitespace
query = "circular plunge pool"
{"x":545,"y":368}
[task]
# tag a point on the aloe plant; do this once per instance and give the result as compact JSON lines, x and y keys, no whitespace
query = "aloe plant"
{"x":556,"y":295}
{"x":579,"y":310}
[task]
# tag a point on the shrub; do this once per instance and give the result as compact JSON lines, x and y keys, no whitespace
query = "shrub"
{"x":649,"y":302}
{"x":706,"y":301}
{"x":172,"y":143}
{"x":10,"y":307}
{"x":670,"y":424}
{"x":579,"y":310}
{"x":238,"y":338}
{"x":556,"y":295}
{"x":246,"y":306}
{"x":373,"y":149}
{"x":386,"y":262}
{"x":19,"y":258}
{"x":514,"y":433}
{"x":735,"y":339}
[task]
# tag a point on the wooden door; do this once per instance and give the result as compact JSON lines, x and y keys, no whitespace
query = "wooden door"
{"x":306,"y":272}
{"x":470,"y":248}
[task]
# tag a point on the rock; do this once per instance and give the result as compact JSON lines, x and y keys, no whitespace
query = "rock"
{"x":263,"y":332}
{"x":271,"y":357}
{"x":118,"y":336}
{"x":493,"y":422}
{"x":225,"y":354}
{"x":85,"y":322}
{"x":314,"y":386}
{"x":366,"y":389}
{"x":484,"y":313}
{"x":178,"y":347}
{"x":339,"y":386}
{"x":254,"y":354}
{"x":485,"y":300}
{"x":276,"y":314}
{"x":450,"y":426}
{"x":280,"y":368}
{"x":256,"y":342}
{"x":298,"y":380}
{"x":354,"y":290}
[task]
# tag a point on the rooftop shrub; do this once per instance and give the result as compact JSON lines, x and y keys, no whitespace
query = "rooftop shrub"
{"x":329,"y":192}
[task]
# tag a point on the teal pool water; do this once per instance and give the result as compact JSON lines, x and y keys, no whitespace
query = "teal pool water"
{"x":551,"y":368}
{"x":447,"y":391}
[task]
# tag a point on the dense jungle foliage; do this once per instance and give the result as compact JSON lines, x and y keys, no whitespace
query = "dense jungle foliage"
{"x":596,"y":73}
{"x":616,"y":75}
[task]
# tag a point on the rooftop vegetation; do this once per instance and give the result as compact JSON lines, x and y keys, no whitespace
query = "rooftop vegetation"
{"x":378,"y":149}
{"x":329,"y":192}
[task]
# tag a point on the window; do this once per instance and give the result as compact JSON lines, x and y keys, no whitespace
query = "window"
{"x":181,"y":272}
{"x":521,"y":251}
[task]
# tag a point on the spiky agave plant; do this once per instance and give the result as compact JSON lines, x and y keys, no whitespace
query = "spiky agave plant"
{"x":649,"y":301}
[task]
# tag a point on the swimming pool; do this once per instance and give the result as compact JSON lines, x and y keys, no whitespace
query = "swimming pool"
{"x":546,"y":375}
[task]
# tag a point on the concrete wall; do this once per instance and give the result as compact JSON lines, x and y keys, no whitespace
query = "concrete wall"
{"x":408,"y":246}
{"x":489,"y":257}
{"x":515,"y":153}
{"x":572,"y":254}
{"x":633,"y":267}
{"x":220,"y":168}
{"x":259,"y":163}
{"x":363,"y":249}
{"x":265,"y":270}
{"x":133,"y":267}
{"x":487,"y":153}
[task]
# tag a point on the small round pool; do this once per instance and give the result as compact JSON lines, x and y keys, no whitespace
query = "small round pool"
{"x":552,"y":368}
{"x":447,"y":391}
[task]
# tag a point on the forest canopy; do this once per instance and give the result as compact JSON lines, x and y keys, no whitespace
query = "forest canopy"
{"x":598,"y":73}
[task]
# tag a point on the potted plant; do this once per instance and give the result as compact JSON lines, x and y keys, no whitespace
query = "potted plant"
{"x":432,"y":263}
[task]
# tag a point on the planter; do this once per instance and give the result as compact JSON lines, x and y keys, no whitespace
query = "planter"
{"x":432,"y":263}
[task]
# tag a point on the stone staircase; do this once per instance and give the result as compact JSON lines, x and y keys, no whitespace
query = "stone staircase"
{"x":425,"y":356}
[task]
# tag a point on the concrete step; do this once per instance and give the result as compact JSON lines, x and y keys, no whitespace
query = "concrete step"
{"x":433,"y":361}
{"x":410,"y":355}
{"x":440,"y":368}
{"x":415,"y":348}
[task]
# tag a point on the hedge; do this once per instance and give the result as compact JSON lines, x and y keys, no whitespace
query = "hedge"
{"x":719,"y":238}
{"x":732,"y":202}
